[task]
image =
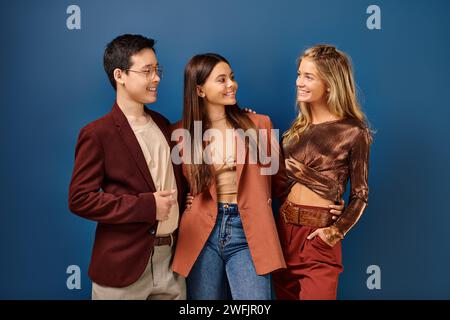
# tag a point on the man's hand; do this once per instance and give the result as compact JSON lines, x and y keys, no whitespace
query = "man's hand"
{"x":164,"y":202}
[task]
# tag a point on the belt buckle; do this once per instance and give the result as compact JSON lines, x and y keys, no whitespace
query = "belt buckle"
{"x":295,"y":213}
{"x":171,"y":240}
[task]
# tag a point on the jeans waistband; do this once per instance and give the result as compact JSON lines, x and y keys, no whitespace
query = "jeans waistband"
{"x":228,"y":208}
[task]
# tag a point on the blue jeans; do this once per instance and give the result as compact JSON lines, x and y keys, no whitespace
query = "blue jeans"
{"x":225,"y":265}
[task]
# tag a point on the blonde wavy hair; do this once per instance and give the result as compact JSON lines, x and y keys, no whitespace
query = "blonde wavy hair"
{"x":335,"y":69}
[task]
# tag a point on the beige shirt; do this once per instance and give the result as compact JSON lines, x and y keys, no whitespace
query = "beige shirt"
{"x":157,"y":155}
{"x":225,"y":170}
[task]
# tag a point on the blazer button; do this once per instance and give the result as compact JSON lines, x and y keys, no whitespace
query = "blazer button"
{"x":269,"y":201}
{"x":152,"y":231}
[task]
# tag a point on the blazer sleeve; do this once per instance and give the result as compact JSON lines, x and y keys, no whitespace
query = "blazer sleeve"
{"x":86,"y":198}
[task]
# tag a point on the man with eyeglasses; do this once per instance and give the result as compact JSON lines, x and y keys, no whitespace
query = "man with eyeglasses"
{"x":123,"y":179}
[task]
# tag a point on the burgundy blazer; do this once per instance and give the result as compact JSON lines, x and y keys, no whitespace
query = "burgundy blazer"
{"x":112,"y":185}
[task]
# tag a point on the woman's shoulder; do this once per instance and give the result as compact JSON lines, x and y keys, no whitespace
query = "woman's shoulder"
{"x":358,"y":129}
{"x":353,"y":124}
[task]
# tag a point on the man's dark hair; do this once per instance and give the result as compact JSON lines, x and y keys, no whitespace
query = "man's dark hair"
{"x":119,"y":51}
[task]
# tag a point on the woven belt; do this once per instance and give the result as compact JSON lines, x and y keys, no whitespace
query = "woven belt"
{"x":305,"y":215}
{"x":168,"y":240}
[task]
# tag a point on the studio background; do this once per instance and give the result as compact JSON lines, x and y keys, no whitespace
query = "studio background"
{"x":53,"y":83}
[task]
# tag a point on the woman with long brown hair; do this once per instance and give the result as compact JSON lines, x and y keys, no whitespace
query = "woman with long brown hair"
{"x":227,"y":238}
{"x":327,"y":145}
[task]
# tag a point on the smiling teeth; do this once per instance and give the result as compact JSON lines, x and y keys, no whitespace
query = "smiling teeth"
{"x":151,"y":89}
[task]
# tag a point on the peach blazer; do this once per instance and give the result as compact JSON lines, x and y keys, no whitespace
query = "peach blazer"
{"x":255,"y":207}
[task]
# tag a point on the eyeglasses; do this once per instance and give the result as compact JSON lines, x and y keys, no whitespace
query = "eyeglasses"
{"x":149,"y":74}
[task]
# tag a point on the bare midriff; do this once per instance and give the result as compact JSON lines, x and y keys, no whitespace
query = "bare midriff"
{"x":302,"y":195}
{"x":227,"y":198}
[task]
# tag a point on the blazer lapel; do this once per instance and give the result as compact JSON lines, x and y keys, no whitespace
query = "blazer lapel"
{"x":240,"y":165}
{"x":132,"y":144}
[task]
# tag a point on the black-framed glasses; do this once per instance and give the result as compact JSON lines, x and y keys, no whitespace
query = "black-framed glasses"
{"x":150,"y":73}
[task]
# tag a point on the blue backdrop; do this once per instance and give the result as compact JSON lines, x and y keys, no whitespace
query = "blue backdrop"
{"x":53,"y":83}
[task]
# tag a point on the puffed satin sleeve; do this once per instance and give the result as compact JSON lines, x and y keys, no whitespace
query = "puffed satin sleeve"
{"x":359,"y":190}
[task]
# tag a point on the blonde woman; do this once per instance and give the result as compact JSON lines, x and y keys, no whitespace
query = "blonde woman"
{"x":327,"y":145}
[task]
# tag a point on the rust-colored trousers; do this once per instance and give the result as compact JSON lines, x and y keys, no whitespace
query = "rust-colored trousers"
{"x":313,"y":267}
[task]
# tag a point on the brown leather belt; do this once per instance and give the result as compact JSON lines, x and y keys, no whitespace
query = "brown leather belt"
{"x":168,"y":240}
{"x":305,"y":215}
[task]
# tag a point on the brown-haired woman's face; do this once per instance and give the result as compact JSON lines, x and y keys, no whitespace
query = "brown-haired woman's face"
{"x":310,"y":87}
{"x":220,"y":87}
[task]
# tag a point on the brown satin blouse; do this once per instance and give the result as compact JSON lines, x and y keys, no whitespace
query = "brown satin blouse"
{"x":324,"y":157}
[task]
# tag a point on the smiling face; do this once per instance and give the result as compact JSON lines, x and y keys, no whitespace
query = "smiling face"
{"x":220,"y":87}
{"x":310,"y":87}
{"x":138,"y":83}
